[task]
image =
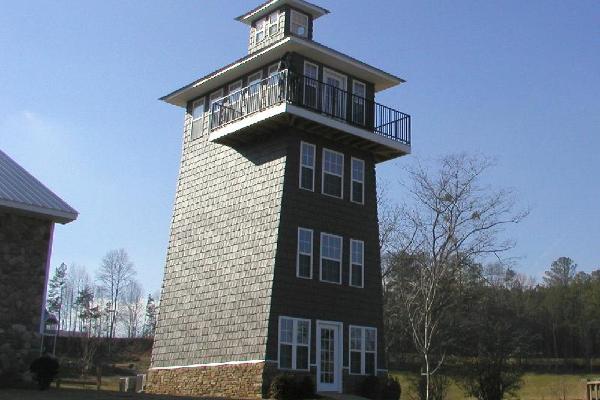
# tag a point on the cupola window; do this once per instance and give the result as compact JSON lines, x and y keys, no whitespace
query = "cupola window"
{"x":299,"y":25}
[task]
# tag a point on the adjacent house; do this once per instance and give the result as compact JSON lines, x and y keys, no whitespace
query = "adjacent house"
{"x":28,"y":212}
{"x":273,"y":263}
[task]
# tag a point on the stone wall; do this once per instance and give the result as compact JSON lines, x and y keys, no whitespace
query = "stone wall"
{"x":23,"y":254}
{"x":240,"y":381}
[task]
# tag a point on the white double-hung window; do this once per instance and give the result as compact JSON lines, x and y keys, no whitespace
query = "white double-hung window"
{"x":363,"y":350}
{"x":305,"y":253}
{"x":294,"y":342}
{"x":357,"y":263}
{"x":333,"y":173}
{"x":198,"y":117}
{"x":307,"y":166}
{"x":331,"y":258}
{"x":357,"y":194}
{"x":299,"y":24}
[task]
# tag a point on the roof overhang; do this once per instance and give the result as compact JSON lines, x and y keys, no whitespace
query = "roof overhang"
{"x":266,"y":8}
{"x":59,"y":216}
{"x":381,"y":79}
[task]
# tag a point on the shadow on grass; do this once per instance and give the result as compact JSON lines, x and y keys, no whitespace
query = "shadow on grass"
{"x":81,"y":394}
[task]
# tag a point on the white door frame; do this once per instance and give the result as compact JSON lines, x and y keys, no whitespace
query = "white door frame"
{"x":338,"y":349}
{"x":327,"y":73}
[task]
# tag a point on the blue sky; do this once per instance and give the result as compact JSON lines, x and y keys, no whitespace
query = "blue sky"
{"x":514,"y":80}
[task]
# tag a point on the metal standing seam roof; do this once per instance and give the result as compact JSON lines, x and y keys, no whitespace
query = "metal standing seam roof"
{"x":19,"y":190}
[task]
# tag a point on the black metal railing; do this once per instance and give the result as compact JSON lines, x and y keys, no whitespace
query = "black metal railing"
{"x":309,"y":93}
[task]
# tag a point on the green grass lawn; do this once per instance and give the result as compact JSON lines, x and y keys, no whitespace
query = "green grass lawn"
{"x":535,"y":387}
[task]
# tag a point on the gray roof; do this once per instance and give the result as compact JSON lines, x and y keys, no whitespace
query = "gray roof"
{"x":20,"y":191}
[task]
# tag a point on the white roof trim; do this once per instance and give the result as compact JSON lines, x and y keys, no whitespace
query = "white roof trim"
{"x":363,"y":71}
{"x":305,"y":6}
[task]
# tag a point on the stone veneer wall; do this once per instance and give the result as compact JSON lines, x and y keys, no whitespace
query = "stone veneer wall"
{"x":241,"y":381}
{"x":23,"y":254}
{"x":216,"y":291}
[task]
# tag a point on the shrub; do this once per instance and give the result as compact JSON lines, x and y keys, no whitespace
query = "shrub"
{"x":390,"y":388}
{"x":438,"y":389}
{"x":288,"y":387}
{"x":44,"y":369}
{"x":380,"y":388}
{"x":306,"y":388}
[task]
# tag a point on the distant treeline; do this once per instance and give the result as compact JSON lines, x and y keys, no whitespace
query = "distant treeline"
{"x":556,"y":320}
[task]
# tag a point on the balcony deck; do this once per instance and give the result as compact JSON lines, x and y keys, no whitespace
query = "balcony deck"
{"x":286,"y":99}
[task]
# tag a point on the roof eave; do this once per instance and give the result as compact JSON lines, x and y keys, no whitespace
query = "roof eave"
{"x":384,"y":80}
{"x":314,"y":10}
{"x":59,"y":216}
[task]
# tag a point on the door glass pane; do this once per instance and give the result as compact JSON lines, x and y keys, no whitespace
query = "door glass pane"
{"x":327,"y":356}
{"x":311,"y":73}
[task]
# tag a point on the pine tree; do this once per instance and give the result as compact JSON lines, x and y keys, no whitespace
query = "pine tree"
{"x":150,"y":322}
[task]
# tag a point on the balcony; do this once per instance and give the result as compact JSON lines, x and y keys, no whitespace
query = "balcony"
{"x":289,"y":93}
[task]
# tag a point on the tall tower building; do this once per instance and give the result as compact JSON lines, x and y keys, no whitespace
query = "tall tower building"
{"x":273,"y":261}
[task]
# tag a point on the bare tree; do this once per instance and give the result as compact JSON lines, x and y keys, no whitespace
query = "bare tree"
{"x":452,"y":220}
{"x":115,"y":274}
{"x":133,"y":308}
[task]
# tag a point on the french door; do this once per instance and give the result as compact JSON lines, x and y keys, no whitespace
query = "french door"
{"x":329,"y":357}
{"x":334,"y":94}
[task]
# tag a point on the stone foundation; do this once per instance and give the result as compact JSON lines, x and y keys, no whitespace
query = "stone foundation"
{"x":237,"y":381}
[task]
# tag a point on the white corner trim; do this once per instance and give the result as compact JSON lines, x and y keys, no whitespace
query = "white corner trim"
{"x":209,"y":365}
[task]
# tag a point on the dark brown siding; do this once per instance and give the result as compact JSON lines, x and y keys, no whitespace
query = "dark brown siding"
{"x":313,"y":299}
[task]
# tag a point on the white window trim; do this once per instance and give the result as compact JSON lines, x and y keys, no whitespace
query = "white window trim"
{"x":212,"y":99}
{"x":263,"y":30}
{"x":312,"y":251}
{"x":321,"y":257}
{"x":335,"y":74}
{"x":362,"y":263}
{"x":239,"y":83}
{"x":194,"y":103}
{"x":356,"y":180}
{"x":304,"y":17}
{"x":363,"y":350}
{"x":294,"y":343}
{"x":257,"y":77}
{"x":356,"y":82}
{"x":312,"y":167}
{"x":268,"y":24}
{"x":273,"y":70}
{"x":323,"y":174}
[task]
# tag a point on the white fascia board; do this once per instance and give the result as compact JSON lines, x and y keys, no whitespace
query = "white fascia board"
{"x":351,"y":129}
{"x":382,"y":80}
{"x":266,"y":8}
{"x":214,"y":81}
{"x":310,"y":115}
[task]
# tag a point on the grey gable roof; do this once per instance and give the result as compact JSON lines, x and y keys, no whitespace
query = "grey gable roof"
{"x":20,"y":191}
